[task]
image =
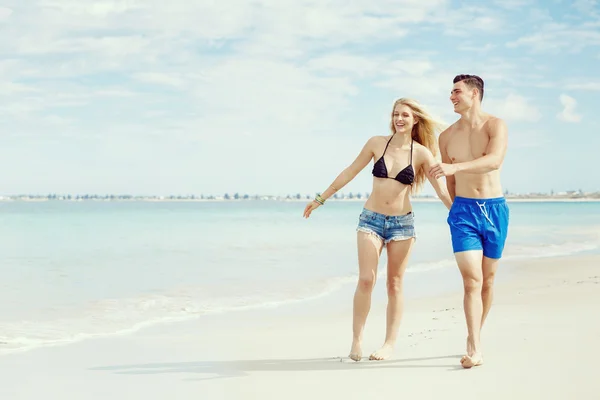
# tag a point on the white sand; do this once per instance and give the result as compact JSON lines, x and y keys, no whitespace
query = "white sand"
{"x":541,"y":341}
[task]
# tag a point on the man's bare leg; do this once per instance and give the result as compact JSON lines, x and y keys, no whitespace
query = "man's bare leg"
{"x":369,"y":250}
{"x":398,"y":253}
{"x":470,"y":265}
{"x":490,"y":266}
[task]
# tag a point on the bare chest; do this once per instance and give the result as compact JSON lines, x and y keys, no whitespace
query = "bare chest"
{"x":467,"y":145}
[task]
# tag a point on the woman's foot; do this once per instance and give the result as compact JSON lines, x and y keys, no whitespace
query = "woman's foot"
{"x":383,"y":353}
{"x":473,"y":360}
{"x":469,"y":351}
{"x":355,"y":351}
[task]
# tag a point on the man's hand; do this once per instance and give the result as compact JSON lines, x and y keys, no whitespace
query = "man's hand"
{"x":441,"y":169}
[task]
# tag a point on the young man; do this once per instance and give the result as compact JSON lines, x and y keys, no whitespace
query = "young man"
{"x":473,"y":150}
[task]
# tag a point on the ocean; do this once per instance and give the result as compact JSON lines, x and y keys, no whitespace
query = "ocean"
{"x":76,"y":270}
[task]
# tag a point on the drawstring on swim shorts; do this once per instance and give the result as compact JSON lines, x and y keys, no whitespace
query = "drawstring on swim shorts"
{"x":484,"y":212}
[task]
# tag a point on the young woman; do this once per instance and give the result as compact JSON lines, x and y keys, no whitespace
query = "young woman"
{"x":400,"y":164}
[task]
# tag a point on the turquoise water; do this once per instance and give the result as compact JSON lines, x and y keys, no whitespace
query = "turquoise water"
{"x":72,"y":270}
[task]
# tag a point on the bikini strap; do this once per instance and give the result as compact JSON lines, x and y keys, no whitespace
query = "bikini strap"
{"x":386,"y":146}
{"x":411,"y":149}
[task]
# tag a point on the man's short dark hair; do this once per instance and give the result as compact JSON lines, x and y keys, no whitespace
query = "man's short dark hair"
{"x":472,"y":81}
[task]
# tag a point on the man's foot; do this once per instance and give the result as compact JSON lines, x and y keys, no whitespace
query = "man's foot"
{"x":383,"y":353}
{"x":355,"y":352}
{"x":472,"y":360}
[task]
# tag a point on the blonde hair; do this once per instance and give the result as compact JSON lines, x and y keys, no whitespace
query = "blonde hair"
{"x":423,"y":132}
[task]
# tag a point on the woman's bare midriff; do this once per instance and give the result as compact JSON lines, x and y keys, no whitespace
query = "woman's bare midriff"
{"x":389,"y":197}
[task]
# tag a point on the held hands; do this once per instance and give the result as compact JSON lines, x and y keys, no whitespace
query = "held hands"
{"x":441,"y":169}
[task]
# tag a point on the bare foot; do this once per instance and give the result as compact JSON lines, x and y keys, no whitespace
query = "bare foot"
{"x":383,"y":353}
{"x":355,"y":352}
{"x":468,"y":351}
{"x":472,"y":360}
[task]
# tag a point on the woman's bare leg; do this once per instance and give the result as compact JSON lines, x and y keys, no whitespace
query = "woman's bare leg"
{"x":369,"y":250}
{"x":398,"y":253}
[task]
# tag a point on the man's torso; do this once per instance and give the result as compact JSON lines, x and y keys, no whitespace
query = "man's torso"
{"x":466,"y":144}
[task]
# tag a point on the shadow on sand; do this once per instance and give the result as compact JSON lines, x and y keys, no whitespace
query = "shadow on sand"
{"x":238,"y":368}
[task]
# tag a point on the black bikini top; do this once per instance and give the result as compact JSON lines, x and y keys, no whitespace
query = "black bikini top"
{"x":406,"y":176}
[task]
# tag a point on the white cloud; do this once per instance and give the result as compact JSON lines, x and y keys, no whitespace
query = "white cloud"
{"x":421,"y":80}
{"x":271,"y":96}
{"x":514,"y":108}
{"x":260,"y":70}
{"x":514,"y":4}
{"x":568,"y":114}
{"x":475,"y":48}
{"x":96,"y":8}
{"x":283,"y":23}
{"x":494,"y":69}
{"x":116,"y":46}
{"x":206,"y":49}
{"x":579,"y":84}
{"x":113,"y":92}
{"x":527,"y":139}
{"x":410,"y":75}
{"x":417,"y":86}
{"x":540,"y":15}
{"x":467,"y":20}
{"x":588,"y":86}
{"x":558,"y":38}
{"x":352,"y":64}
{"x":11,"y":88}
{"x":586,"y":6}
{"x":5,"y":13}
{"x":159,"y":78}
{"x":57,"y":120}
{"x":251,"y":77}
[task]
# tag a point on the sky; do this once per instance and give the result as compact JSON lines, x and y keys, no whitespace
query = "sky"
{"x":279,"y":96}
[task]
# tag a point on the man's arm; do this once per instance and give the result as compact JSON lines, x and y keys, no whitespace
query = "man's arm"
{"x":450,"y":180}
{"x":495,"y":152}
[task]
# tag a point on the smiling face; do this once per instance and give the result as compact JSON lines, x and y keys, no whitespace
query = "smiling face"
{"x":403,"y":118}
{"x":462,"y":97}
{"x":467,"y":90}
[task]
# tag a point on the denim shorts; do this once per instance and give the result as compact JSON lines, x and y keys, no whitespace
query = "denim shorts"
{"x":479,"y":224}
{"x":387,"y":227}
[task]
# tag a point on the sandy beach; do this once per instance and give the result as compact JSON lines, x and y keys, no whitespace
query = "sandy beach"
{"x":540,"y":342}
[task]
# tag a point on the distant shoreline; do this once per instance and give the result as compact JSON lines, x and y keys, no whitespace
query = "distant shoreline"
{"x":548,"y":199}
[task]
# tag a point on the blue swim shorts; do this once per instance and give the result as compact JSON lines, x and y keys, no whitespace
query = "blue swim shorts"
{"x":479,"y":224}
{"x":387,"y":227}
